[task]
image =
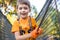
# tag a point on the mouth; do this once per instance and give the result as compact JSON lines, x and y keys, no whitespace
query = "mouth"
{"x":23,"y":13}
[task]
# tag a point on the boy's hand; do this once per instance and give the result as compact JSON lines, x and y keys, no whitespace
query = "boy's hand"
{"x":40,"y":31}
{"x":35,"y":33}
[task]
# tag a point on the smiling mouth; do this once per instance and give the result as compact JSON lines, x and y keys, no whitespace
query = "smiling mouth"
{"x":23,"y":13}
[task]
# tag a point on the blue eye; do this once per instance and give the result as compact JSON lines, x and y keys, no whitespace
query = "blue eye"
{"x":25,"y":8}
{"x":20,"y":8}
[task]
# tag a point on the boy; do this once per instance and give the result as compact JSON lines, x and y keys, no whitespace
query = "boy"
{"x":25,"y":27}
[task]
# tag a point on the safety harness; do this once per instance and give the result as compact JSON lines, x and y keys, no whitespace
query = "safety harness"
{"x":30,"y":24}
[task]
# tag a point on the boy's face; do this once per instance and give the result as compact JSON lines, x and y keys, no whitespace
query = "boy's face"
{"x":23,"y":10}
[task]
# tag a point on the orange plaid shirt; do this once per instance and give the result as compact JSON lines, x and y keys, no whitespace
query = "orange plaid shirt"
{"x":24,"y":24}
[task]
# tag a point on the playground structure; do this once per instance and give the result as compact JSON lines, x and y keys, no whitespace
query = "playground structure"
{"x":48,"y":19}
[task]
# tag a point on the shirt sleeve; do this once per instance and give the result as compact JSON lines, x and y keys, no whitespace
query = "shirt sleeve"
{"x":15,"y":27}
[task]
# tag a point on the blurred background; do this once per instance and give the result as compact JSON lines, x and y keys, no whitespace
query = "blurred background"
{"x":46,"y":13}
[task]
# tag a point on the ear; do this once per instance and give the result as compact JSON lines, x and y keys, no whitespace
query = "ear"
{"x":17,"y":11}
{"x":30,"y":10}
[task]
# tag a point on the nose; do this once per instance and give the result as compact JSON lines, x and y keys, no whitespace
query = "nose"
{"x":23,"y":10}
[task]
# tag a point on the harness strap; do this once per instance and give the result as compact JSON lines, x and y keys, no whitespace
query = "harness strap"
{"x":30,"y":24}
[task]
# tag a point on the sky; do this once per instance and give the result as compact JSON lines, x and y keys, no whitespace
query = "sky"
{"x":38,"y":4}
{"x":58,"y":4}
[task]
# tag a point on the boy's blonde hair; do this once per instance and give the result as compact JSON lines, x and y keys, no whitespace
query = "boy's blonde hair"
{"x":26,"y":2}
